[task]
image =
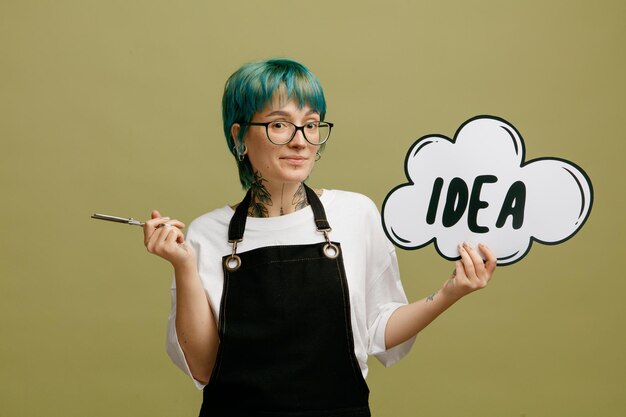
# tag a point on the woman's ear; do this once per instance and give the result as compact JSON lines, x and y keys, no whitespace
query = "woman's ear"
{"x":234,"y":133}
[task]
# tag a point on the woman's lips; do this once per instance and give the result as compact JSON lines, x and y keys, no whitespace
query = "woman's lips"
{"x":294,"y":159}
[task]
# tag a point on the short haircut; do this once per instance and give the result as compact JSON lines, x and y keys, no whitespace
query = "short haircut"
{"x":253,"y":85}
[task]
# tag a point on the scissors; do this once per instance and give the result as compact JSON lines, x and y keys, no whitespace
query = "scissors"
{"x":116,"y":219}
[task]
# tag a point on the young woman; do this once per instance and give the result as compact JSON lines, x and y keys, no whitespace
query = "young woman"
{"x":279,"y":300}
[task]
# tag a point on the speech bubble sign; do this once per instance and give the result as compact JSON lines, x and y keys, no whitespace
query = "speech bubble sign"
{"x":478,"y":188}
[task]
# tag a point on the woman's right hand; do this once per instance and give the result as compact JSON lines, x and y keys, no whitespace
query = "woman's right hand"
{"x":164,"y":237}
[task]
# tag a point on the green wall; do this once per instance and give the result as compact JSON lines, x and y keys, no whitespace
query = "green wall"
{"x":114,"y":107}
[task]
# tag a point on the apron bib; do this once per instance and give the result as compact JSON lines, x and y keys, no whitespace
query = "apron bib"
{"x":286,"y":343}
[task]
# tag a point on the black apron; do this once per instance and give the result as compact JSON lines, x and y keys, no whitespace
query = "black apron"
{"x":286,"y":343}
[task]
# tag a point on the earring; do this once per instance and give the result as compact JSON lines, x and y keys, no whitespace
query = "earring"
{"x":318,"y":156}
{"x":241,"y":154}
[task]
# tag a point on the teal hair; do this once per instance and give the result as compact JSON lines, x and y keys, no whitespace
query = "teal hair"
{"x":253,"y":85}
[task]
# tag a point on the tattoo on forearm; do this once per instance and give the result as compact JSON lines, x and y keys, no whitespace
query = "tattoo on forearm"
{"x":431,"y":297}
{"x":261,"y":197}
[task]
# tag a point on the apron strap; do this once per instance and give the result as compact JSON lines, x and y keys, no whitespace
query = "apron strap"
{"x":238,"y":222}
{"x":318,"y":209}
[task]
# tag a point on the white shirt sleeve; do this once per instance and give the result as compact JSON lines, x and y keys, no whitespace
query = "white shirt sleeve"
{"x":384,"y":293}
{"x":383,"y":298}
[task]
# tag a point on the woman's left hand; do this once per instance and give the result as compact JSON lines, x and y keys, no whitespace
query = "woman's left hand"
{"x":472,"y":272}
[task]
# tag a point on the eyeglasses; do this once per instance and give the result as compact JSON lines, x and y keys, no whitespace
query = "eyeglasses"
{"x":281,"y":132}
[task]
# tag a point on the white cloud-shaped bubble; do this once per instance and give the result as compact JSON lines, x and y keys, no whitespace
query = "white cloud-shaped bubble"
{"x":477,"y":188}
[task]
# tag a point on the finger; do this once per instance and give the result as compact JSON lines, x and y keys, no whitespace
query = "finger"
{"x":468,"y":264}
{"x":150,"y":225}
{"x":479,"y":264}
{"x":172,"y":241}
{"x":175,"y":236}
{"x":169,"y":223}
{"x":161,"y":239}
{"x":168,"y":235}
{"x":153,"y":223}
{"x":153,"y":240}
{"x":148,"y":231}
{"x":150,"y":228}
{"x":491,"y":259}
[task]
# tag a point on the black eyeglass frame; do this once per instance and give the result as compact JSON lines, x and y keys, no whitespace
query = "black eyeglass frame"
{"x":301,"y":128}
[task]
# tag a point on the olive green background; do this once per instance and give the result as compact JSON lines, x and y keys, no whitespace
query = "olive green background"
{"x":114,"y":107}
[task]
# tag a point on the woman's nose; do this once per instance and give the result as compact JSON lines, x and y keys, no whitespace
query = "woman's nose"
{"x":298,"y":139}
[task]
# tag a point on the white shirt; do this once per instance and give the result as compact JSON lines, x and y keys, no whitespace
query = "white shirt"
{"x":369,"y":259}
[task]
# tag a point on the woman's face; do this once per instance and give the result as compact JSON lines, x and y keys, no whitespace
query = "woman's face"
{"x":279,"y":164}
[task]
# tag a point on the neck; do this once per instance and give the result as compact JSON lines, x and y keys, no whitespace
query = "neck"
{"x":270,"y":200}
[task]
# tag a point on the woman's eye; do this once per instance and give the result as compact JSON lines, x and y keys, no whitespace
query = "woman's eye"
{"x":278,"y":125}
{"x":311,"y":125}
